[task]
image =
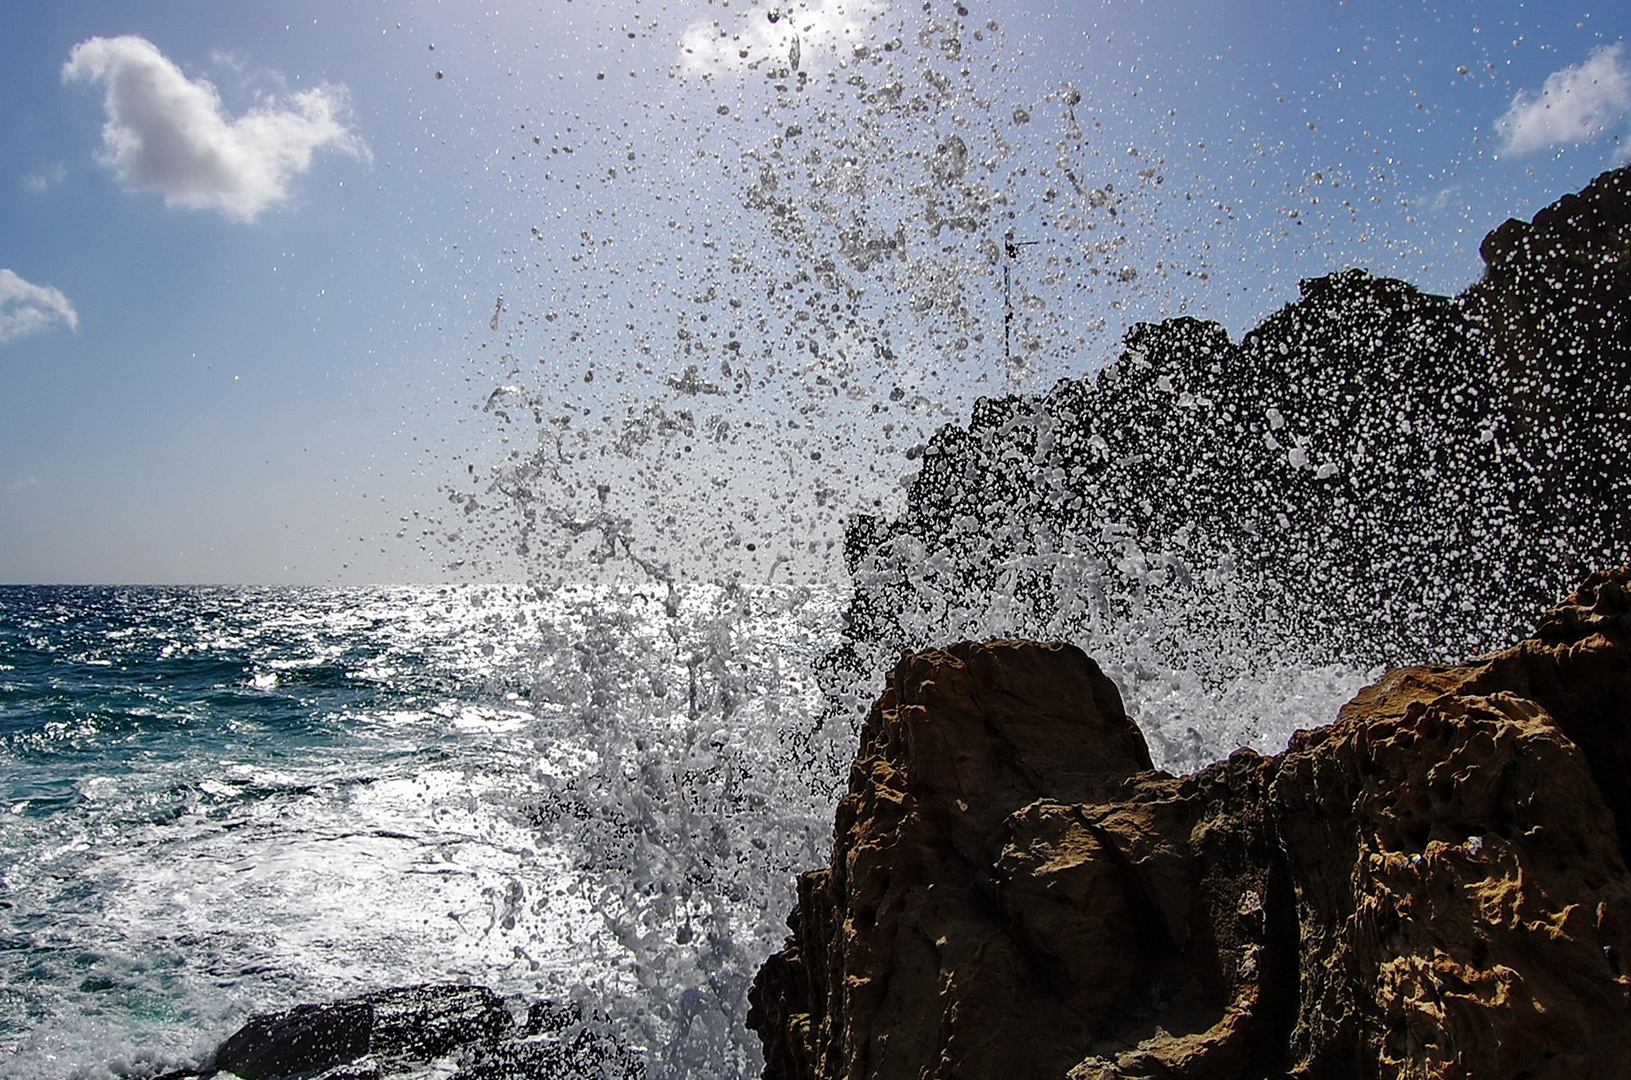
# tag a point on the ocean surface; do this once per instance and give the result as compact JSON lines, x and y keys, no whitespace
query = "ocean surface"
{"x":221,"y":801}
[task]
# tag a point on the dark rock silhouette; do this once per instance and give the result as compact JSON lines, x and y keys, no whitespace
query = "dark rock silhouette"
{"x":305,"y":1039}
{"x":1433,"y":886}
{"x":1388,"y":475}
{"x":403,"y":1030}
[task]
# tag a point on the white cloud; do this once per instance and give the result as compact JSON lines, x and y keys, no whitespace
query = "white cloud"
{"x":26,"y":308}
{"x":170,"y":134}
{"x":796,"y":37}
{"x":40,"y":182}
{"x":1575,"y":105}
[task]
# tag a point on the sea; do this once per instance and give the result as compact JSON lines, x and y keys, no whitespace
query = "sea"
{"x":222,"y":801}
{"x":215,"y":802}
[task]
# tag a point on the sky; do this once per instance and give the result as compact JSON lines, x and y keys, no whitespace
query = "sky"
{"x":311,"y":293}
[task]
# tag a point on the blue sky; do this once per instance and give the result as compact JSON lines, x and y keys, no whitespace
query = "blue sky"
{"x":261,"y":266}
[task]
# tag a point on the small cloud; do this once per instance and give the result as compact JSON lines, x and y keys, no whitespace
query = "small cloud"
{"x":26,"y":308}
{"x":1575,"y":105}
{"x":29,"y":483}
{"x":45,"y":179}
{"x":789,"y":34}
{"x":1447,"y":198}
{"x":170,"y":134}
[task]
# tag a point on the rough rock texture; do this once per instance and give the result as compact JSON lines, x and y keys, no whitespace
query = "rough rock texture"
{"x":1433,"y":886}
{"x":451,"y":1032}
{"x":1442,"y":466}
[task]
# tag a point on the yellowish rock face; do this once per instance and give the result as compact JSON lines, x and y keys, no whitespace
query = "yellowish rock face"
{"x":1433,"y":886}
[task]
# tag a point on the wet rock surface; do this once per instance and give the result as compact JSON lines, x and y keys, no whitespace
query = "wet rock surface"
{"x":1442,"y":467}
{"x":448,"y":1031}
{"x":1435,"y":885}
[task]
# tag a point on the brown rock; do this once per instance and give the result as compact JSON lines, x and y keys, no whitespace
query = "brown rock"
{"x":1433,"y":886}
{"x":962,"y":738}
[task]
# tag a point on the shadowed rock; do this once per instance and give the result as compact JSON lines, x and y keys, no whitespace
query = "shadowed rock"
{"x":461,"y":1032}
{"x":1433,"y":886}
{"x":304,"y":1040}
{"x":1387,"y":475}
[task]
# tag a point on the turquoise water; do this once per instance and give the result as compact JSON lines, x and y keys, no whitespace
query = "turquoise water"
{"x":221,"y":801}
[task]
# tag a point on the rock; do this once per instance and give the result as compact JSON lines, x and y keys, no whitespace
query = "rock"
{"x":1433,"y":886}
{"x":961,"y":739}
{"x":304,"y":1040}
{"x":402,"y":1030}
{"x":1442,"y":466}
{"x":559,"y":1042}
{"x":425,"y":1022}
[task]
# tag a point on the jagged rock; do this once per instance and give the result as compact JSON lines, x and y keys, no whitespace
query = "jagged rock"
{"x":1433,"y":886}
{"x":960,"y":740}
{"x":1441,"y":466}
{"x":393,"y":1028}
{"x":425,"y":1022}
{"x":558,"y":1042}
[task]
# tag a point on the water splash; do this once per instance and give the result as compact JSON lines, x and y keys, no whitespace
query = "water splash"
{"x":845,"y":226}
{"x":810,"y":331}
{"x":590,"y":794}
{"x":841,"y":226}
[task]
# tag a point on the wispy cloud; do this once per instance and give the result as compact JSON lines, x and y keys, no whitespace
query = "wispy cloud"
{"x":45,"y":179}
{"x":170,"y":134}
{"x":26,"y":308}
{"x":1574,"y":105}
{"x":792,"y":34}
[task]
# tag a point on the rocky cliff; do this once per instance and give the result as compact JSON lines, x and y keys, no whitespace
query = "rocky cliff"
{"x":1435,"y":885}
{"x":1443,"y":466}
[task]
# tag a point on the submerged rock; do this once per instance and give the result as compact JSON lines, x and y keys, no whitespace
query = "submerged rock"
{"x":1435,"y":885}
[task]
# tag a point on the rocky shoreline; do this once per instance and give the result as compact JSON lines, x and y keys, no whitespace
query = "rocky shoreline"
{"x":1435,"y":885}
